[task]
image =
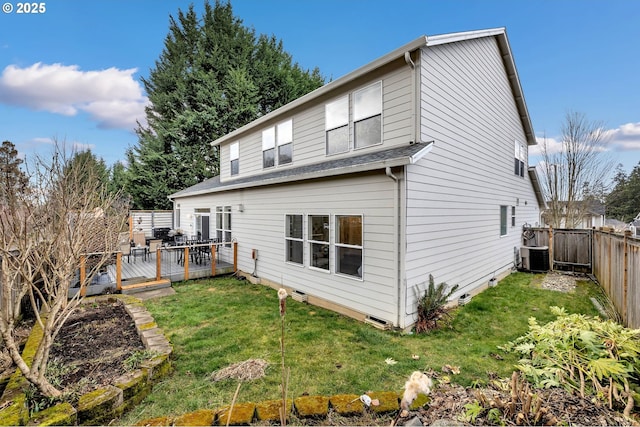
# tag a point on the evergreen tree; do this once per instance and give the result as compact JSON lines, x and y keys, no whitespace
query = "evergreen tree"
{"x":213,"y":76}
{"x":623,"y":202}
{"x":12,"y":180}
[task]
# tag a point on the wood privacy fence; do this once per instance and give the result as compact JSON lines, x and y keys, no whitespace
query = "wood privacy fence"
{"x":614,"y":259}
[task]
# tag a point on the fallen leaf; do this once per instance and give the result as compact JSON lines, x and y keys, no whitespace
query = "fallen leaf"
{"x":390,"y":361}
{"x":375,"y":402}
{"x":415,"y":357}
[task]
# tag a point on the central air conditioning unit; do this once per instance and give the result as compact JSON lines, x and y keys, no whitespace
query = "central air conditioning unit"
{"x":535,"y":258}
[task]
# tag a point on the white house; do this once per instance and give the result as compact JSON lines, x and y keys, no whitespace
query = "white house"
{"x":351,"y":195}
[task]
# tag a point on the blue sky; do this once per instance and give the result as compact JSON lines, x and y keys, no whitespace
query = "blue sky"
{"x":72,"y":73}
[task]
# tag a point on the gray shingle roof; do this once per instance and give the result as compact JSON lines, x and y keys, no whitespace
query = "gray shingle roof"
{"x":395,"y":156}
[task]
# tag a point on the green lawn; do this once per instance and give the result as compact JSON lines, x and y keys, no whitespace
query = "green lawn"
{"x":217,"y":322}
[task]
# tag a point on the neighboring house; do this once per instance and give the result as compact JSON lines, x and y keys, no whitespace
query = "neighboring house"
{"x":634,"y":226}
{"x":592,"y":213}
{"x":414,"y":164}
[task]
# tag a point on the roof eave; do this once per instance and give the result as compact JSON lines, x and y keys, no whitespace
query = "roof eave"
{"x":364,"y":167}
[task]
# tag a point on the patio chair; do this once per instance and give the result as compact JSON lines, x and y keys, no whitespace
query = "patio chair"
{"x":125,"y":248}
{"x":139,"y":239}
{"x":154,"y":245}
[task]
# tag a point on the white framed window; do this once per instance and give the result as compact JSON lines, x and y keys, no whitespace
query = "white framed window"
{"x":348,"y":245}
{"x":337,"y":125}
{"x":223,"y":224}
{"x":367,"y":116}
{"x":234,"y":157}
{"x":284,"y":134}
{"x":294,"y":243}
{"x":520,"y":157}
{"x":277,"y":145}
{"x":318,"y":236}
{"x":503,"y":220}
{"x":269,"y":147}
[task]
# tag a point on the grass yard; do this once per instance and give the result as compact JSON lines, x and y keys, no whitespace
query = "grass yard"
{"x":214,"y":323}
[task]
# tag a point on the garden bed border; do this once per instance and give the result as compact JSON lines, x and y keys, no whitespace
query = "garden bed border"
{"x":102,"y":405}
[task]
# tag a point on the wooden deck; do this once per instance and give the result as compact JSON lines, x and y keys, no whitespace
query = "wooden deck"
{"x":142,"y":271}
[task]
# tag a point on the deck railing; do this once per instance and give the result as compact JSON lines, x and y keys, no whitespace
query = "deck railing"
{"x":165,"y":264}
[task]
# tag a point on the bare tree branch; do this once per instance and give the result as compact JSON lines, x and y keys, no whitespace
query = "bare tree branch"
{"x":65,"y":214}
{"x":572,"y":174}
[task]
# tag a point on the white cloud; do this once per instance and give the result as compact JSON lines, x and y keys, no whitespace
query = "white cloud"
{"x":112,"y":97}
{"x":553,"y":146}
{"x":623,"y":138}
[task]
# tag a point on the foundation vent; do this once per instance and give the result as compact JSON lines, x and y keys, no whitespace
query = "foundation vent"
{"x":299,"y":296}
{"x":377,"y":323}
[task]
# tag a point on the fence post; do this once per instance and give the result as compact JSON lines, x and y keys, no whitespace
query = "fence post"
{"x":213,"y":260}
{"x":158,"y":263}
{"x":83,"y":275}
{"x":186,"y":263}
{"x":551,"y":248}
{"x":235,"y":256}
{"x":119,"y":271}
{"x":625,"y":276}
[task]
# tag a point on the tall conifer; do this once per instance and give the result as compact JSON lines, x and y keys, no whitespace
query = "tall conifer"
{"x":213,"y":76}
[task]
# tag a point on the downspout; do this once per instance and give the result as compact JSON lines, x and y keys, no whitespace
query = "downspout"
{"x":397,"y":222}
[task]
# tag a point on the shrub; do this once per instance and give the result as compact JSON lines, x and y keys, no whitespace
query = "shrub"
{"x":431,"y":306}
{"x":582,"y":354}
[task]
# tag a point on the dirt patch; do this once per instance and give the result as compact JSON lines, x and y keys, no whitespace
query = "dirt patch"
{"x":91,"y":349}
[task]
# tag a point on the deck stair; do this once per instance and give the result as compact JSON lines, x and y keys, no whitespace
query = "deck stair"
{"x":133,"y":288}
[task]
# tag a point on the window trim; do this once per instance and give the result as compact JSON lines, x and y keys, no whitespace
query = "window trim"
{"x":338,"y":125}
{"x":224,"y":226}
{"x":311,"y":241}
{"x":287,"y":238}
{"x":337,"y":245}
{"x":520,"y":157}
{"x":366,"y":117}
{"x":234,"y":156}
{"x":503,"y":220}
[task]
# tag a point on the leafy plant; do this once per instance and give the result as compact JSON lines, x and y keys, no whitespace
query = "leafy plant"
{"x":581,"y":354}
{"x":472,"y":411}
{"x":137,"y":357}
{"x":431,"y":306}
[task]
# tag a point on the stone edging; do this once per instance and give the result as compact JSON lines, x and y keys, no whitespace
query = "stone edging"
{"x":304,"y":407}
{"x":102,"y":405}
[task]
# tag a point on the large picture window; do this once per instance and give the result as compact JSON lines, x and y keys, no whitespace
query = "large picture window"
{"x":367,"y":116}
{"x":349,"y":245}
{"x":294,"y":239}
{"x":234,"y":157}
{"x":337,"y":125}
{"x":319,"y":241}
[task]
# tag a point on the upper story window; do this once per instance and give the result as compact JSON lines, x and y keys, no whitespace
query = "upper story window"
{"x":520,"y":158}
{"x":367,"y":116}
{"x":269,"y":147}
{"x":234,"y":157}
{"x":284,"y":134}
{"x":278,"y":138}
{"x":337,"y":125}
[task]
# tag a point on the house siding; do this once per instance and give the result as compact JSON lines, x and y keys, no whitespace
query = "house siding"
{"x":309,"y":126}
{"x":454,"y":194}
{"x":261,"y":226}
